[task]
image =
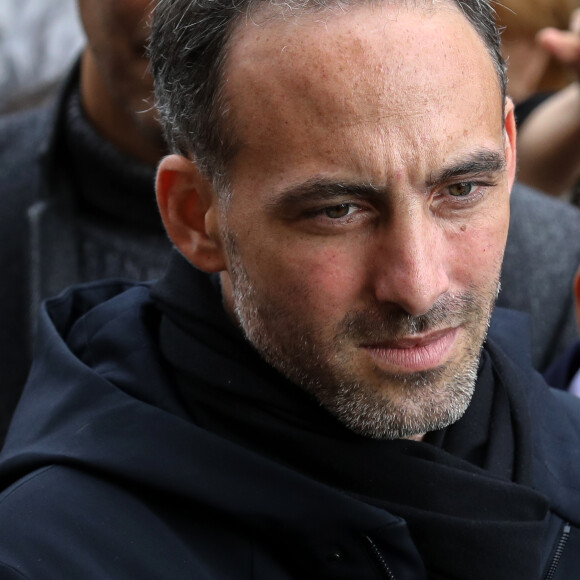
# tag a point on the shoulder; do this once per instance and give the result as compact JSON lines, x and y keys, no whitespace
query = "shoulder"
{"x":21,"y":133}
{"x":99,"y":302}
{"x":541,"y":258}
{"x":63,"y":522}
{"x":104,"y":323}
{"x":23,"y":139}
{"x":556,"y":418}
{"x":96,"y":343}
{"x":542,"y":220}
{"x":68,"y":522}
{"x":543,"y":228}
{"x":562,"y":371}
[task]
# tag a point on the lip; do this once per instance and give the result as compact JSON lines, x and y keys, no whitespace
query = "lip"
{"x":414,"y":353}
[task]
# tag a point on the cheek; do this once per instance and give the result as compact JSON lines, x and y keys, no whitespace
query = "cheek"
{"x":477,"y":251}
{"x":322,"y":281}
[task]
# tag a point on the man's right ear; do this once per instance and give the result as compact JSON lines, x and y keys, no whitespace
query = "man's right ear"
{"x":190,"y":212}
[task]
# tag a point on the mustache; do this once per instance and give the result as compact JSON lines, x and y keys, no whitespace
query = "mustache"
{"x":391,"y":322}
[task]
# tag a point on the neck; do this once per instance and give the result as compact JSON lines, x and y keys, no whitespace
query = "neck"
{"x":115,"y":122}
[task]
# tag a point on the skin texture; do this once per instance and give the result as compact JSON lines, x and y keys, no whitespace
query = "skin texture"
{"x":116,"y":84}
{"x":361,"y":246}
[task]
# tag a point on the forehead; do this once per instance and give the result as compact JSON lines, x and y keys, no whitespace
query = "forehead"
{"x":374,"y":81}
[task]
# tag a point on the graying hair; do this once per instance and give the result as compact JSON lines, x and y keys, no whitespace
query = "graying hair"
{"x":189,"y":44}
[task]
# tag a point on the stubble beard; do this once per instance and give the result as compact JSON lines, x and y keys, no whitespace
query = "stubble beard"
{"x":390,"y":406}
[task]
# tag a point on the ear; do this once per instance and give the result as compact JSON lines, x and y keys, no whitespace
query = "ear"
{"x":510,"y":141}
{"x":576,"y":288}
{"x":189,"y":209}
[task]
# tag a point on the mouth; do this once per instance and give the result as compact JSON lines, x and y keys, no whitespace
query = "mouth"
{"x":415,"y":353}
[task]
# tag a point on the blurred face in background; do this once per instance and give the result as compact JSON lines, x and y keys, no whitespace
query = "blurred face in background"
{"x":117,"y":33}
{"x":530,"y":68}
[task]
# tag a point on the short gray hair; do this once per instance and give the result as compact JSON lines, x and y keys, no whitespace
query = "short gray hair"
{"x":189,"y":44}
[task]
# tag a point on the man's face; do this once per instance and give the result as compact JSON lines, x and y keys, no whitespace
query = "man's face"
{"x":117,"y":33}
{"x":369,"y":208}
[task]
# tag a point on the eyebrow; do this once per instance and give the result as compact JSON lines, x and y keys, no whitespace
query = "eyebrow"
{"x":482,"y":162}
{"x":319,"y":189}
{"x":316,"y":189}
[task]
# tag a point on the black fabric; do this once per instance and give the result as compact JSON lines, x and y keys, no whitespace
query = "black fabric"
{"x":561,"y":372}
{"x":467,"y":485}
{"x":541,"y":258}
{"x":96,"y":216}
{"x":104,"y":453}
{"x":125,"y":191}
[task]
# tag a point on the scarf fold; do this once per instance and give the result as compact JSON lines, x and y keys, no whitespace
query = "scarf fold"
{"x":465,"y":491}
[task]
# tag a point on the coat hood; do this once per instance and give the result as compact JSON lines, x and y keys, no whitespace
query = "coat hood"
{"x":74,"y":413}
{"x":98,"y":362}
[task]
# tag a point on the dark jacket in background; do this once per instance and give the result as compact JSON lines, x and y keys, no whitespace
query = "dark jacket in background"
{"x":153,"y":442}
{"x":541,"y":259}
{"x":561,"y":372}
{"x":73,"y":209}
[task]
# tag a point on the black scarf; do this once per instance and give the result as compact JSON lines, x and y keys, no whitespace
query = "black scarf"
{"x":465,"y":491}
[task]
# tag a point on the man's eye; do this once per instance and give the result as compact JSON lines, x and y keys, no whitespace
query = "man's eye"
{"x":338,"y":211}
{"x":461,"y":189}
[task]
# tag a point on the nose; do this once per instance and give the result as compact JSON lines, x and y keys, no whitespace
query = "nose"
{"x":411,"y":261}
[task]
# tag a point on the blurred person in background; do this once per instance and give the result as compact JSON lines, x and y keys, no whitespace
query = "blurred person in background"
{"x":532,"y":70}
{"x":38,"y":42}
{"x":541,"y":43}
{"x":542,"y":253}
{"x":549,"y":141}
{"x":77,"y":182}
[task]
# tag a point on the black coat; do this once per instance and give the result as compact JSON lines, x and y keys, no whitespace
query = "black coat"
{"x":562,"y":371}
{"x":109,"y":477}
